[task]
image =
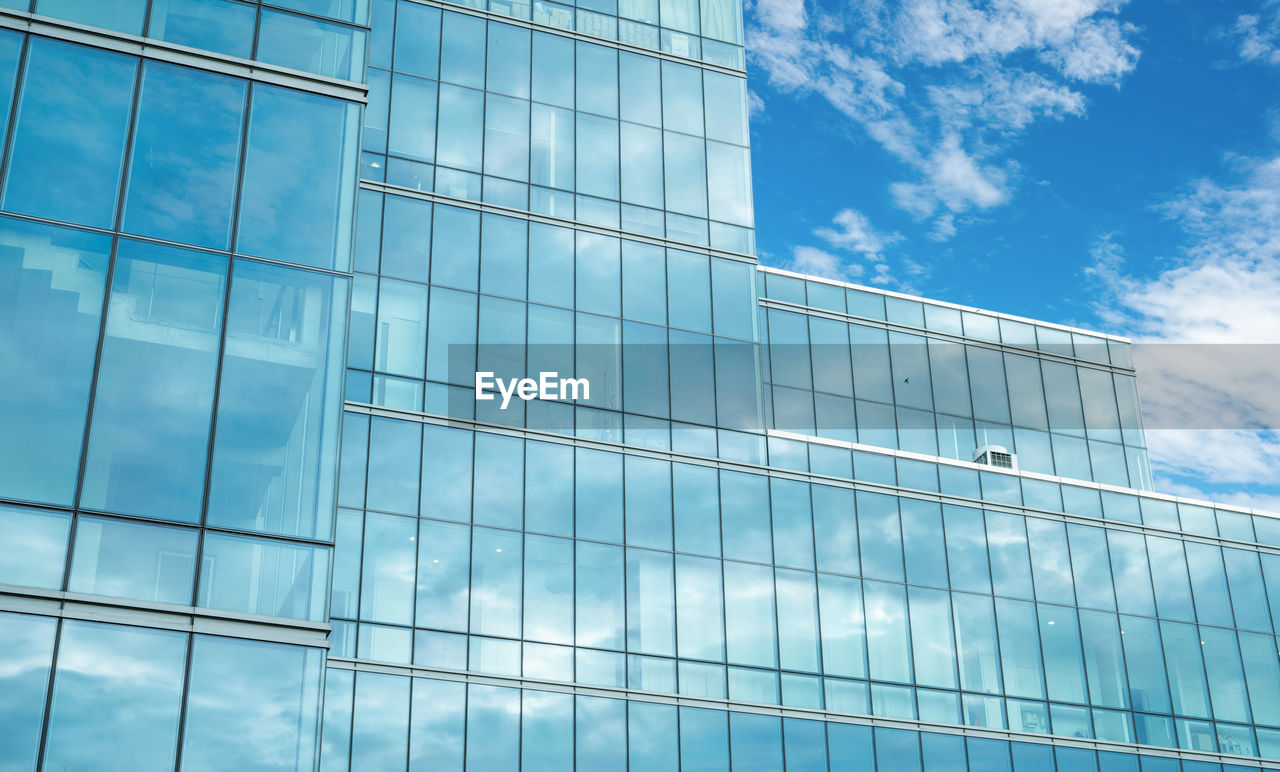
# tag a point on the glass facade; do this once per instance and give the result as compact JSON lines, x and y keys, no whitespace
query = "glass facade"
{"x":252,"y":515}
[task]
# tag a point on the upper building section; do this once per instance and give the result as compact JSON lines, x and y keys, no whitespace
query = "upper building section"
{"x":320,"y":37}
{"x":864,"y":366}
{"x":710,"y":30}
{"x":549,"y":123}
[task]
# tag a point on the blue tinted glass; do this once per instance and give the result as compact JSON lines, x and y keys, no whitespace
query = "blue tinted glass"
{"x":51,"y":336}
{"x":493,"y":727}
{"x":393,"y":466}
{"x":186,"y":146}
{"x":462,"y":51}
{"x":412,"y":123}
{"x":756,"y":742}
{"x":897,"y":749}
{"x":553,"y":80}
{"x":503,"y":246}
{"x":337,"y":719}
{"x":455,"y":246}
{"x":417,"y":42}
{"x":697,"y":516}
{"x":648,"y":502}
{"x":380,"y":730}
{"x":277,"y":428}
{"x":547,"y":731}
{"x":215,"y":25}
{"x":108,"y":717}
{"x":605,"y":745}
{"x":880,"y":536}
{"x":387,"y":582}
{"x":126,"y":16}
{"x":311,"y":45}
{"x":297,"y":191}
{"x":259,"y":576}
{"x":133,"y":560}
{"x":704,"y":740}
{"x":436,"y":732}
{"x":598,"y":505}
{"x":346,"y":10}
{"x":265,"y":694}
{"x":34,"y":549}
{"x":70,"y":174}
{"x":24,"y":679}
{"x":495,"y":581}
{"x":599,"y":283}
{"x":150,"y":429}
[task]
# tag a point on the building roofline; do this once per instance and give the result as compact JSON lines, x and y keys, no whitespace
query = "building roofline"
{"x":943,"y":303}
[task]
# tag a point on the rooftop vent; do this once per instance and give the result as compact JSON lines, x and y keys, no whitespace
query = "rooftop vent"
{"x":995,"y":455}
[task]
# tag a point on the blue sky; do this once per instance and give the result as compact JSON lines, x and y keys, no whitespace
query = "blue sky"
{"x":1108,"y":164}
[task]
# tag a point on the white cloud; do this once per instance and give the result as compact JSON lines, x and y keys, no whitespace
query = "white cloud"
{"x":1208,"y":329}
{"x":945,"y":85}
{"x":852,"y":247}
{"x":853,"y":232}
{"x":1259,"y":33}
{"x":818,"y":262}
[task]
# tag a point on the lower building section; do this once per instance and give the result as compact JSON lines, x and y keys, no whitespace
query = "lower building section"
{"x":387,"y":721}
{"x":81,"y":695}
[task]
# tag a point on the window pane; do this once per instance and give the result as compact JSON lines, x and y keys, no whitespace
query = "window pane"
{"x":598,"y":499}
{"x":260,"y":576}
{"x":297,"y":192}
{"x":213,"y":25}
{"x":265,"y":695}
{"x":417,"y":41}
{"x":461,"y":133}
{"x":888,"y":645}
{"x":150,"y":437}
{"x":1020,"y":648}
{"x":280,"y":402}
{"x":436,"y":732}
{"x":48,"y":361}
{"x":104,"y":716}
{"x":133,"y":560}
{"x":386,"y":589}
{"x":495,"y":580}
{"x":412,"y":125}
{"x":685,"y":174}
{"x":744,"y":512}
{"x":546,"y":732}
{"x":552,"y":148}
{"x":599,"y":600}
{"x":506,"y":137}
{"x":597,"y":156}
{"x":700,"y":631}
{"x":798,"y":646}
{"x":749,"y":615}
{"x":756,"y":742}
{"x":380,"y":731}
{"x":493,"y":727}
{"x":70,"y":174}
{"x":462,"y":52}
{"x":602,"y":739}
{"x":34,"y":549}
{"x":24,"y":679}
{"x":126,"y":16}
{"x":508,"y":60}
{"x":446,"y":473}
{"x":185,"y":150}
{"x":597,"y":81}
{"x":444,"y":571}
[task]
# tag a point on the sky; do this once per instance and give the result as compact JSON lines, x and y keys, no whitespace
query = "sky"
{"x":1105,"y":164}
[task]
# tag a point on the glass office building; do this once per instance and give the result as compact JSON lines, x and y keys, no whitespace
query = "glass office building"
{"x":252,"y":256}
